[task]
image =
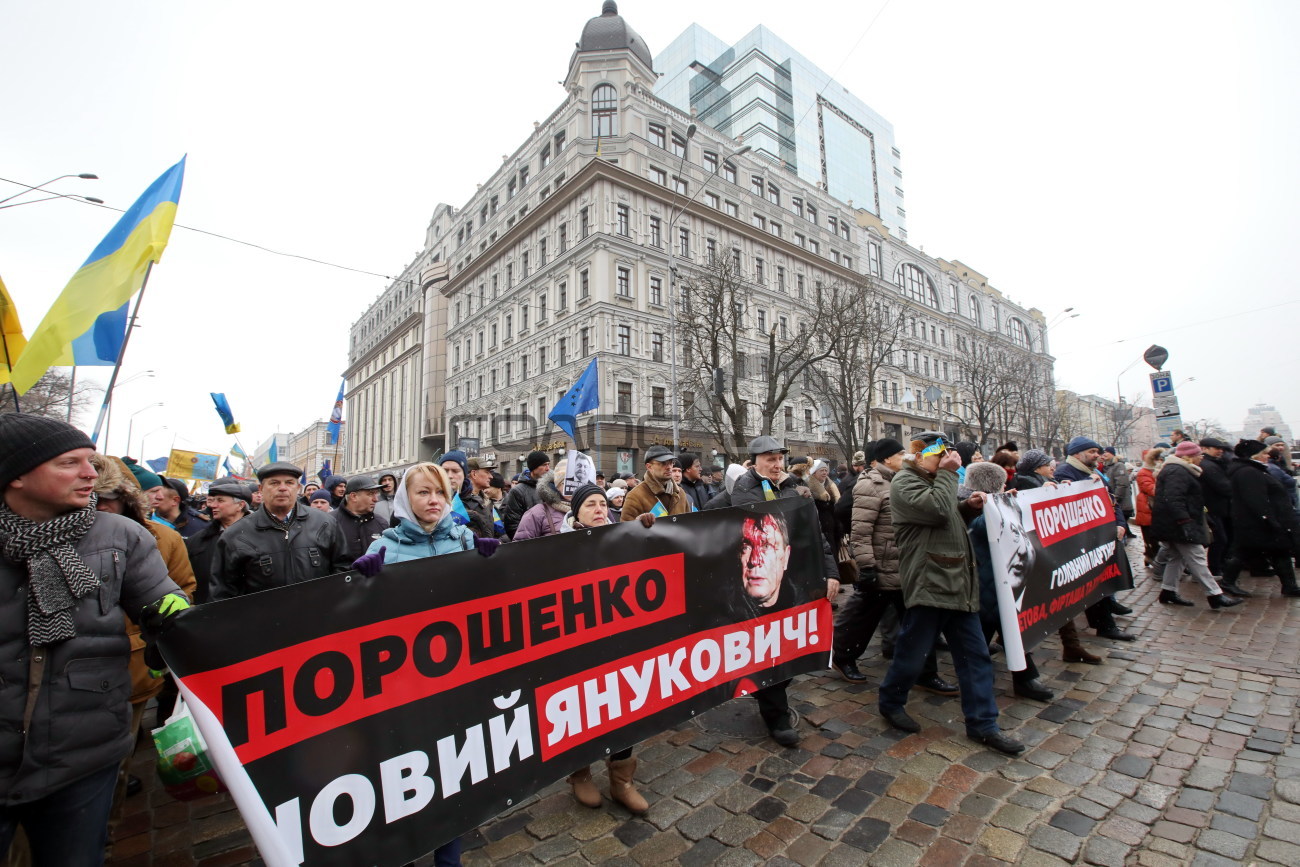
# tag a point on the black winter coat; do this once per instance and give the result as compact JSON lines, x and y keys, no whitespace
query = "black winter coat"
{"x":1178,"y":508}
{"x":201,"y":548}
{"x":522,"y":497}
{"x":1215,"y":485}
{"x":358,"y":532}
{"x":1262,"y":517}
{"x":698,"y":493}
{"x":256,"y":554}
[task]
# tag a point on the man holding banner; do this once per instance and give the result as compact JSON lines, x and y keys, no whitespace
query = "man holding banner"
{"x":940,"y":590}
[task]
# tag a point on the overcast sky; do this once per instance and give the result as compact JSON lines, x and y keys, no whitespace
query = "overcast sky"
{"x":1134,"y":161}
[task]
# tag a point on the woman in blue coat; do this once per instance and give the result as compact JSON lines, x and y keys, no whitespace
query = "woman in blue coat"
{"x":426,"y":528}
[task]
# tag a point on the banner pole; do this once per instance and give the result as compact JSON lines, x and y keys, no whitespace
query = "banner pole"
{"x":121,"y":353}
{"x":10,"y":365}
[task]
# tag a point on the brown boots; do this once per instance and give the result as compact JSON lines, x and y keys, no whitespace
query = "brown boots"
{"x":1071,"y":648}
{"x":622,"y":788}
{"x":584,"y":790}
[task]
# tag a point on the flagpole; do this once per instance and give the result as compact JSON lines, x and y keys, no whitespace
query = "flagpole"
{"x":9,"y":364}
{"x":121,"y":353}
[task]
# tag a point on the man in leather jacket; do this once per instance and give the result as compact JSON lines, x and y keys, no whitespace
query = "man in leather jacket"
{"x":282,"y":543}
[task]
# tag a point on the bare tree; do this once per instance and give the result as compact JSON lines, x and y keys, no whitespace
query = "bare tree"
{"x":50,"y":395}
{"x":742,"y":376}
{"x":869,"y":333}
{"x":1207,"y":427}
{"x":989,"y":376}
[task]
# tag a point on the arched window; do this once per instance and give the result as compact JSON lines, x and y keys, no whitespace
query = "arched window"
{"x":973,"y":309}
{"x":1019,"y":333}
{"x":604,"y":111}
{"x":916,"y":285}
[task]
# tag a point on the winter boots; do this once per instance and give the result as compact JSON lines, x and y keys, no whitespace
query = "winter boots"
{"x":622,"y":788}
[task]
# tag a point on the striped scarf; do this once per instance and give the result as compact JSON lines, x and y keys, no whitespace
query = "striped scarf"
{"x":56,"y":575}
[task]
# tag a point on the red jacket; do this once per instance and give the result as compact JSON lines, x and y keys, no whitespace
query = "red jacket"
{"x":1146,"y":484}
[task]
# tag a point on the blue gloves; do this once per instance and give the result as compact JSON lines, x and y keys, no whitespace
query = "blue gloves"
{"x":486,"y":546}
{"x":370,"y":565}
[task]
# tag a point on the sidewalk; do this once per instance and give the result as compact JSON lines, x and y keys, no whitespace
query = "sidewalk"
{"x":1178,"y":750}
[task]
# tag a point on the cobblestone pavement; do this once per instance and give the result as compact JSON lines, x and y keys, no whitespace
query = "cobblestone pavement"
{"x":1179,"y":750}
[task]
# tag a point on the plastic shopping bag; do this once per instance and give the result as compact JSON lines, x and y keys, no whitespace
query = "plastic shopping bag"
{"x":184,"y":767}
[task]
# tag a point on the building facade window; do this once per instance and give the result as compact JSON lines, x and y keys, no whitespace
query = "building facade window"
{"x":624,"y":221}
{"x":656,"y":347}
{"x":915,"y":284}
{"x":657,"y":291}
{"x":658,"y":135}
{"x":624,"y":283}
{"x":604,"y":111}
{"x":658,"y":405}
{"x":623,"y":405}
{"x":656,"y":232}
{"x":625,"y":340}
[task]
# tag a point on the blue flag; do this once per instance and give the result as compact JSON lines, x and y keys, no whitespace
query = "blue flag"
{"x":583,"y":397}
{"x":324,"y":471}
{"x":336,"y":418}
{"x":273,"y":456}
{"x":157,"y":464}
{"x":225,"y":464}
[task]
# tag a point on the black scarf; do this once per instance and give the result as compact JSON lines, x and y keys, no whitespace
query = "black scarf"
{"x":56,"y":575}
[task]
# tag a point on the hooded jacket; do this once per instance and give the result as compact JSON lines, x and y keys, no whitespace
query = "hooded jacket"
{"x":81,"y":717}
{"x":547,"y":517}
{"x":872,"y":535}
{"x":644,"y":496}
{"x":257,"y":553}
{"x":330,"y":483}
{"x":936,"y":562}
{"x":1178,"y":508}
{"x":410,"y":541}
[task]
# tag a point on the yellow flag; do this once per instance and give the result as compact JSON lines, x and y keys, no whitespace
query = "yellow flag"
{"x":192,"y":465}
{"x":11,"y":332}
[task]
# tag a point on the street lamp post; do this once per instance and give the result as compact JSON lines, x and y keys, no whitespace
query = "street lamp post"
{"x":109,"y":422}
{"x":131,"y":424}
{"x":674,"y":214}
{"x":30,"y":189}
{"x":144,"y":438}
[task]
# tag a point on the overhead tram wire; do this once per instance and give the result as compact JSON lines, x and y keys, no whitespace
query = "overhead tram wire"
{"x":81,"y":200}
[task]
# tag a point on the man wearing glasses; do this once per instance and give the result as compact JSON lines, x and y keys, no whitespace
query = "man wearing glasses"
{"x":940,"y":591}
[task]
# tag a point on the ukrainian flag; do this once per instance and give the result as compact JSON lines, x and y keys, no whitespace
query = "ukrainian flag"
{"x":87,"y":323}
{"x":11,"y":332}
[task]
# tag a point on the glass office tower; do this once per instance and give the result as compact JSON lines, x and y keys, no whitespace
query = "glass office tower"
{"x":762,"y":89}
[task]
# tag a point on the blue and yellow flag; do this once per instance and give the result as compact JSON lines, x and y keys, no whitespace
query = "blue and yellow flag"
{"x":238,"y":452}
{"x":223,"y":410}
{"x":659,"y":511}
{"x":11,"y":333}
{"x":86,"y":325}
{"x":183,"y":464}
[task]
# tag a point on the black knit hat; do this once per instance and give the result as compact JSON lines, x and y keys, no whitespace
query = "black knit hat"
{"x":537,"y":459}
{"x":27,"y":441}
{"x":581,"y":495}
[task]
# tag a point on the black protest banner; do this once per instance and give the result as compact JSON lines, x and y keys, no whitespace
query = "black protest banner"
{"x":368,"y":720}
{"x":1054,"y":553}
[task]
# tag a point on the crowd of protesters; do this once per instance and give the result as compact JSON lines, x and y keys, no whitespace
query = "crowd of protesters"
{"x":99,"y":551}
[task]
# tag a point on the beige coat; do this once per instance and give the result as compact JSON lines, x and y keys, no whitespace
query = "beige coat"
{"x":872,"y":534}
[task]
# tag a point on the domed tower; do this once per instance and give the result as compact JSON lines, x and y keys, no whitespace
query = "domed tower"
{"x":610,"y":52}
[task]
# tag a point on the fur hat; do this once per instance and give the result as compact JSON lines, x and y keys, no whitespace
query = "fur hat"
{"x":986,"y":476}
{"x":1247,"y":449}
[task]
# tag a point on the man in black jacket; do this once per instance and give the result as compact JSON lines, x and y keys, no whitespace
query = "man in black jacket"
{"x":282,"y":543}
{"x":229,"y":501}
{"x":356,"y":517}
{"x":766,"y":479}
{"x":1218,"y":506}
{"x":523,"y":494}
{"x":1264,"y":524}
{"x":697,"y":490}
